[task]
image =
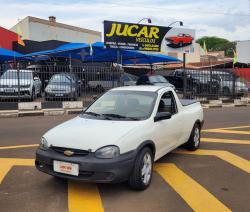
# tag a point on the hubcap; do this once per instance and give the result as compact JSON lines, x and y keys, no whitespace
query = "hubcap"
{"x":196,"y":137}
{"x":146,"y":170}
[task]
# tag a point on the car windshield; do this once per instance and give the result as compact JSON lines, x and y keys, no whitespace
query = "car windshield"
{"x":158,"y":79}
{"x":61,"y":79}
{"x":122,"y":105}
{"x":13,"y":75}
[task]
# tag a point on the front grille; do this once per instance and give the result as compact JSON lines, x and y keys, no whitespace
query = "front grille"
{"x":76,"y":151}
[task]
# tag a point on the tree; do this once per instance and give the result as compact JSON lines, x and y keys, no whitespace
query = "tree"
{"x":218,"y":44}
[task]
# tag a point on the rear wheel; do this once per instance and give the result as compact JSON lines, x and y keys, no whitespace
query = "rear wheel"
{"x":142,"y":172}
{"x":99,"y":88}
{"x":226,"y":91}
{"x":194,"y":139}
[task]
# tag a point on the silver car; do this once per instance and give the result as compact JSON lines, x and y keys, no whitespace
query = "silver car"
{"x":63,"y":85}
{"x":22,"y":83}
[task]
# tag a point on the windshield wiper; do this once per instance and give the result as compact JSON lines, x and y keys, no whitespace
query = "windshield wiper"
{"x":119,"y":116}
{"x":92,"y":113}
{"x":96,"y":114}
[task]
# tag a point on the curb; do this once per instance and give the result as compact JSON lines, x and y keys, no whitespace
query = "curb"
{"x":74,"y":108}
{"x":45,"y":112}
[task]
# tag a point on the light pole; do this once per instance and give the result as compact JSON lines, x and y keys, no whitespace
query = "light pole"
{"x":148,"y":19}
{"x":180,"y":22}
{"x":184,"y":62}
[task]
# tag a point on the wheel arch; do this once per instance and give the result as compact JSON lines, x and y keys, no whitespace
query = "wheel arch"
{"x":199,"y":122}
{"x":148,"y":143}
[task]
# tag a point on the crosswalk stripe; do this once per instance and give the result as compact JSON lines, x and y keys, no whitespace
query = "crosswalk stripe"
{"x":229,"y":157}
{"x":227,"y":131}
{"x":8,"y":163}
{"x":237,"y":127}
{"x":84,"y":197}
{"x":196,"y":196}
{"x":19,"y":146}
{"x":226,"y":141}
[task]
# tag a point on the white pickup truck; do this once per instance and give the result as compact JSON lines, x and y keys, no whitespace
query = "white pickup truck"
{"x":120,"y":135}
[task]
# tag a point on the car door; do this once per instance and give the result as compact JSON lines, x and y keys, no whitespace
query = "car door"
{"x":167,"y":132}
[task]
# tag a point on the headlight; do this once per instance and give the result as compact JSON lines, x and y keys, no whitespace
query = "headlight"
{"x":43,"y":144}
{"x":108,"y":152}
{"x":48,"y":89}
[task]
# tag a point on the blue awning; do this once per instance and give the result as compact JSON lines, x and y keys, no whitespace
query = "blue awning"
{"x":82,"y":51}
{"x":7,"y":55}
{"x":65,"y":50}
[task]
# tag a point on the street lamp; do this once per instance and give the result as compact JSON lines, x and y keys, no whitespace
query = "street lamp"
{"x":180,"y":22}
{"x":148,"y":19}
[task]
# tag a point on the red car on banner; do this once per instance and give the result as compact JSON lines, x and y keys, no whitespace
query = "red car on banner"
{"x":179,"y":41}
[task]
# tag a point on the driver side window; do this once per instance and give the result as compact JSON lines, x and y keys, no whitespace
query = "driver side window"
{"x":167,"y":103}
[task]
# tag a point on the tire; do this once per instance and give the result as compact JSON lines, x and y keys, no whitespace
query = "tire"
{"x":195,"y":89}
{"x":99,"y":88}
{"x":32,"y":97}
{"x":193,"y":142}
{"x":181,"y":44}
{"x":144,"y":160}
{"x":226,"y":91}
{"x":40,"y":93}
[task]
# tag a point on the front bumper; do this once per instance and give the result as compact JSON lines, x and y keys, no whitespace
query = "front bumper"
{"x":59,"y":95}
{"x":23,"y":93}
{"x":91,"y":169}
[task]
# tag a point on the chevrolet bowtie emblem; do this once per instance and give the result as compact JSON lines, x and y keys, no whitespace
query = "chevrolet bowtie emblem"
{"x":68,"y":153}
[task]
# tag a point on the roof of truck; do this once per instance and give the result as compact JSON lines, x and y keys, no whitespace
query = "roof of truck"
{"x":151,"y":88}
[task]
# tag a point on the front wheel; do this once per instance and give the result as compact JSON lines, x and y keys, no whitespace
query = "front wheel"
{"x":194,"y":139}
{"x":32,"y":95}
{"x":142,"y":172}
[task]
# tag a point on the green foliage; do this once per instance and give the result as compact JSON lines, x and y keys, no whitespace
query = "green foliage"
{"x":218,"y":44}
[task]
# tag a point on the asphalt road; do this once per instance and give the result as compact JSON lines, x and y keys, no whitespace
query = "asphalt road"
{"x":214,"y":178}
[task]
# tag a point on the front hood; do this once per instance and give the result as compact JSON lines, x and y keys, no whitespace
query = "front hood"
{"x":58,"y":87}
{"x":14,"y":82}
{"x":85,"y":134}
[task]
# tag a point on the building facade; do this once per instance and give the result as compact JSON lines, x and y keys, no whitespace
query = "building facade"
{"x":7,"y":38}
{"x":37,"y":29}
{"x":243,"y":51}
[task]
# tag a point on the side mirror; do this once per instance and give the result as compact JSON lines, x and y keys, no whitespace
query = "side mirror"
{"x":162,"y":116}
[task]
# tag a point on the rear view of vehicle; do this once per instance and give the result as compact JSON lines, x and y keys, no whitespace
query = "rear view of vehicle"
{"x":22,"y":83}
{"x":62,"y":86}
{"x":154,"y":80}
{"x":231,"y":84}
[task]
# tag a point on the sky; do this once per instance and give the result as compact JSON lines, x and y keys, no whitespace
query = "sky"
{"x":229,"y":19}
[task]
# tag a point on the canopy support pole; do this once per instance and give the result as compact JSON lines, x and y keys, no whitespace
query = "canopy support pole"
{"x":185,"y":75}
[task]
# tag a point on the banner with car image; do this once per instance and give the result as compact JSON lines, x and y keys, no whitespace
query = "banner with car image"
{"x":129,"y":36}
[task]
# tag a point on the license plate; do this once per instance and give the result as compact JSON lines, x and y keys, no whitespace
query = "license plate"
{"x":9,"y":90}
{"x":59,"y":94}
{"x":66,"y":168}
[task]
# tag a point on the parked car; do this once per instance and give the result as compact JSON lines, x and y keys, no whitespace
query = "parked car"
{"x":120,"y":135}
{"x":63,"y":85}
{"x":154,"y":80}
{"x":230,"y":83}
{"x":22,"y":83}
{"x":111,"y":82}
{"x":180,"y":40}
{"x":197,"y":82}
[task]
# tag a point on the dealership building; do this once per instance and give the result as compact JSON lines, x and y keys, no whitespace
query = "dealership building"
{"x":40,"y":34}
